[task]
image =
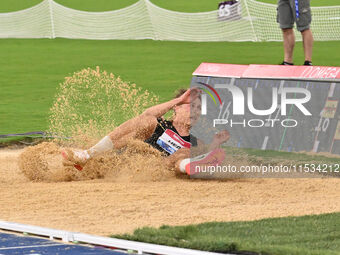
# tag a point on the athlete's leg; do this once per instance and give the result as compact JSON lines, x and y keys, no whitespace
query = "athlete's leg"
{"x":182,"y":161}
{"x":140,"y":127}
{"x":174,"y":160}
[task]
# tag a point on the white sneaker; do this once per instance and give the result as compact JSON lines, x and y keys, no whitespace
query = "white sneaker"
{"x":77,"y":158}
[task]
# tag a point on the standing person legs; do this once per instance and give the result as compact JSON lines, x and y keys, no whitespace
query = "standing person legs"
{"x":288,"y":45}
{"x":308,"y":41}
{"x":285,"y":18}
{"x":303,"y":25}
{"x":288,"y":12}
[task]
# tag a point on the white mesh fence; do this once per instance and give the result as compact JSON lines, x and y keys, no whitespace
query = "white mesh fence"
{"x":132,"y":22}
{"x":249,"y":20}
{"x":34,"y":22}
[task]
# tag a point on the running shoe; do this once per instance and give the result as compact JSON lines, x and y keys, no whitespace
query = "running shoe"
{"x":76,"y":158}
{"x":212,"y":158}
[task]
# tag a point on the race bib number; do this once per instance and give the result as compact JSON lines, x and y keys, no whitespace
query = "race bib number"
{"x":171,"y":142}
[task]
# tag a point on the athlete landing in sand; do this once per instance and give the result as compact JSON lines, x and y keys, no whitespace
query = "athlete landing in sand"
{"x":172,"y":138}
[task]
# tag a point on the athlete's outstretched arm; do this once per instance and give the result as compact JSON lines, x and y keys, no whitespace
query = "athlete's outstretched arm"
{"x":161,"y":109}
{"x":219,"y":139}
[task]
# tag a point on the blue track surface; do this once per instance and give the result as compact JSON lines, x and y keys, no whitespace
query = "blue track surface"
{"x":22,"y":245}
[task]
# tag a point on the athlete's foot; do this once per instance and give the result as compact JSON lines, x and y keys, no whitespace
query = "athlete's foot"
{"x":212,"y":158}
{"x":75,"y":158}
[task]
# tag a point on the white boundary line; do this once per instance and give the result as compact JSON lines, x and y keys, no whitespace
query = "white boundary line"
{"x":31,"y":246}
{"x":140,"y":247}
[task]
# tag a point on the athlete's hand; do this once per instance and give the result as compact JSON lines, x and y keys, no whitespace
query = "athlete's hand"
{"x":221,"y":137}
{"x":189,"y":95}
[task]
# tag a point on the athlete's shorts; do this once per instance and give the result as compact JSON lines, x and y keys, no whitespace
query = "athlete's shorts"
{"x":286,"y":14}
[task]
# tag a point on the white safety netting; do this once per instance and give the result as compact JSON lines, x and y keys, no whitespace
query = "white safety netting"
{"x":249,"y":20}
{"x":34,"y":22}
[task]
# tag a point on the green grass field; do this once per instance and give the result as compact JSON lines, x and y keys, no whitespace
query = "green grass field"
{"x":106,"y":5}
{"x":308,"y":235}
{"x":33,"y":68}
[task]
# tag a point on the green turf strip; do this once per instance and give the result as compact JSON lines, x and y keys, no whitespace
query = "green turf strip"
{"x":307,"y":235}
{"x":107,"y":5}
{"x":16,"y":5}
{"x":266,"y":155}
{"x":210,"y":5}
{"x":96,"y":5}
{"x":84,"y":5}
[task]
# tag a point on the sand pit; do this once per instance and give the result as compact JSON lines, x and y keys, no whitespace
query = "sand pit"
{"x":118,"y":200}
{"x":138,"y":162}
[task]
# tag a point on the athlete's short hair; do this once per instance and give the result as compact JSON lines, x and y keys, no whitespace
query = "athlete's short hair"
{"x":180,"y":92}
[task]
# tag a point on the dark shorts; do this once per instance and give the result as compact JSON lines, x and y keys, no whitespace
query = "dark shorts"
{"x":286,"y":14}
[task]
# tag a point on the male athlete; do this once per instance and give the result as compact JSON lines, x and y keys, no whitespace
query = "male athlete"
{"x":172,"y":137}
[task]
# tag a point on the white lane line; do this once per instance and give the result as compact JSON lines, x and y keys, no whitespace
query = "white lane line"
{"x":30,"y":246}
{"x":265,"y":141}
{"x":331,"y":90}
